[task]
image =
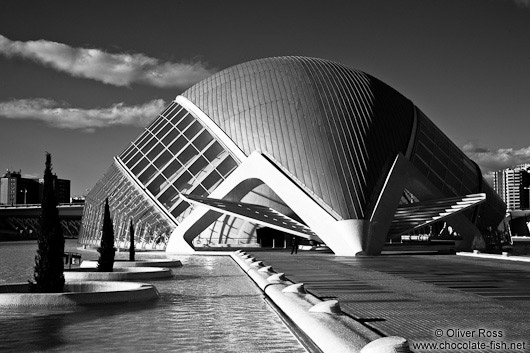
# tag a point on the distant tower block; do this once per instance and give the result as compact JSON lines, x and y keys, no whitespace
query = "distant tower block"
{"x":512,"y":185}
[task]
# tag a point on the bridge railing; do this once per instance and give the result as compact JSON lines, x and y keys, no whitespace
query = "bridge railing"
{"x":21,"y":205}
{"x":38,"y":205}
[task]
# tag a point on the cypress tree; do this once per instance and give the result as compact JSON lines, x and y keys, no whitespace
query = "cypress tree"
{"x":131,"y":238}
{"x":49,"y":266}
{"x":107,"y":249}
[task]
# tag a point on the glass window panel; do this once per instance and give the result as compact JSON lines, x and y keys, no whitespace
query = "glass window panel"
{"x":162,"y":159}
{"x":226,"y":166}
{"x":187,"y":187}
{"x":426,"y":140}
{"x":177,"y":116}
{"x":154,"y":186}
{"x":133,"y":160}
{"x":171,"y":169}
{"x":184,"y":214}
{"x":148,"y":145}
{"x":470,"y":182}
{"x":169,"y":197}
{"x":465,"y":189}
{"x":170,"y":109}
{"x":178,"y":145}
{"x":141,"y":165}
{"x":438,"y":168}
{"x":439,"y":153}
{"x":193,"y":130}
{"x":187,"y":154}
{"x":161,"y":123}
{"x":436,"y":181}
{"x":199,"y":190}
{"x":202,"y":140}
{"x":452,"y":181}
{"x":213,"y":151}
{"x":170,"y":136}
{"x":155,"y":151}
{"x":180,"y":208}
{"x":427,"y":126}
{"x":423,"y":152}
{"x":197,"y":166}
{"x":127,"y":152}
{"x":424,"y":168}
{"x":185,"y":122}
{"x":454,"y":168}
{"x":164,"y":185}
{"x":142,"y":139}
{"x":166,"y":109}
{"x":182,"y":182}
{"x":164,"y":131}
{"x":469,"y":165}
{"x":147,"y":174}
{"x":449,"y":152}
{"x":442,"y":140}
{"x":211,"y":180}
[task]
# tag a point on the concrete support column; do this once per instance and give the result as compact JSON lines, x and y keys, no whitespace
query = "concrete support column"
{"x":347,"y":236}
{"x":344,"y":237}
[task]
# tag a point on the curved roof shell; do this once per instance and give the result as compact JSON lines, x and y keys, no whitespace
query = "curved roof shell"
{"x":334,"y":128}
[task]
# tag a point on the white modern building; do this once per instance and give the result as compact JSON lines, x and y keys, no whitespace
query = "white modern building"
{"x":288,"y":146}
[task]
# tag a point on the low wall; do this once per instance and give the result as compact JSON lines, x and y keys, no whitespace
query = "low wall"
{"x":136,"y":263}
{"x":118,"y":274}
{"x":78,"y":293}
{"x":322,"y":321}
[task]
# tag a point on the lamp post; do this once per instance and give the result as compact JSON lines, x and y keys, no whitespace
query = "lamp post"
{"x":25,"y":191}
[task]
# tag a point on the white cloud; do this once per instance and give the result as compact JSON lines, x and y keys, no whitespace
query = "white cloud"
{"x":490,"y":160}
{"x":113,"y":69}
{"x":62,"y":116}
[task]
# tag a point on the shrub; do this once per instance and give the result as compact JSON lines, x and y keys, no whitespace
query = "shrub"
{"x":131,"y":238}
{"x":107,"y":249}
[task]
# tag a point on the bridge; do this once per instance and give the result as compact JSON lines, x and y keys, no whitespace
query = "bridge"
{"x":22,"y":221}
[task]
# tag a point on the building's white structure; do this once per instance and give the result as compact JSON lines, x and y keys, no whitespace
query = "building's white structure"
{"x":295,"y":145}
{"x":512,"y":185}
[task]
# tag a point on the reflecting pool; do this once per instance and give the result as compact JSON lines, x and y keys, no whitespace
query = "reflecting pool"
{"x":209,"y":305}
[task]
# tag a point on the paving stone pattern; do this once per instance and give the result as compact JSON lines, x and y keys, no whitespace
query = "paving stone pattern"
{"x":414,"y":295}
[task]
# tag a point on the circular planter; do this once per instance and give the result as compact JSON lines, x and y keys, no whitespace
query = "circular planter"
{"x":118,"y":274}
{"x":137,"y":263}
{"x":78,"y":293}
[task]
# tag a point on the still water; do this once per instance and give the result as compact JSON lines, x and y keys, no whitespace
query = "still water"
{"x":209,"y":306}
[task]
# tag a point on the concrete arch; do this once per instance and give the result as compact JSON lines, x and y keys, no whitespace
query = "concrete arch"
{"x":344,"y":237}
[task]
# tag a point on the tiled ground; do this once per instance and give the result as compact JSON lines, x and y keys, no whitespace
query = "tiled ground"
{"x":414,"y":295}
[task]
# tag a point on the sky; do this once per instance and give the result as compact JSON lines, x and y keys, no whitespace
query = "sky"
{"x":81,"y":79}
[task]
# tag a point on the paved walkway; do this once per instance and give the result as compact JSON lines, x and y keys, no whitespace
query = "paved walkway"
{"x":485,"y":302}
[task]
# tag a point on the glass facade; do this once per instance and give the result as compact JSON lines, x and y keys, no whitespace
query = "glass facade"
{"x":329,"y":128}
{"x":177,"y":154}
{"x":453,"y":173}
{"x":152,"y":228}
{"x":174,"y":155}
{"x":444,"y":164}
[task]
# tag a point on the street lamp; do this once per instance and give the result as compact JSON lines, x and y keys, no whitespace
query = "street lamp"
{"x":25,"y":191}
